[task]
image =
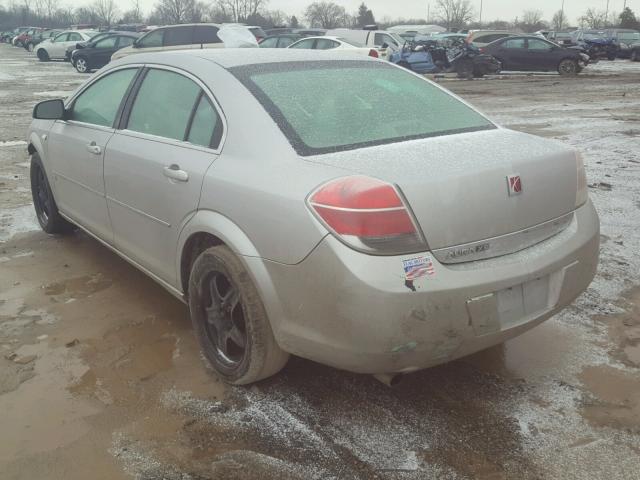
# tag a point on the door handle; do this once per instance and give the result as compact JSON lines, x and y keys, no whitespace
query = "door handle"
{"x":173,"y":171}
{"x":93,"y":148}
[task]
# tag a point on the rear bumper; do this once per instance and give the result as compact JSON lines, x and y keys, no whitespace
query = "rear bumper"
{"x":356,"y":312}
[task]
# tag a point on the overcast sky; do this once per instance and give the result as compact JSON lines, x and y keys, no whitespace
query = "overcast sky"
{"x":491,"y":9}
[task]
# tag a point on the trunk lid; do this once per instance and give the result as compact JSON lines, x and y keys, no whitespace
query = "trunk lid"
{"x":457,"y":186}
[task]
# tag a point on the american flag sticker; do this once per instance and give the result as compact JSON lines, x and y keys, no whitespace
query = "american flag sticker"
{"x":418,"y":267}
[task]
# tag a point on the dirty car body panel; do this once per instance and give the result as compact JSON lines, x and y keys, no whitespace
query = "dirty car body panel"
{"x":496,"y":232}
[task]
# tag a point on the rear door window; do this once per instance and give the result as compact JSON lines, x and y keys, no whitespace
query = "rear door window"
{"x":284,"y":42}
{"x":100,"y":102}
{"x":514,"y":43}
{"x":178,"y":36}
{"x":308,"y":43}
{"x":380,"y":39}
{"x":205,"y":34}
{"x":325,"y":44}
{"x":61,"y":38}
{"x":75,"y":37}
{"x":125,"y":41}
{"x":164,"y":104}
{"x":153,"y":39}
{"x":205,"y":125}
{"x":269,"y":42}
{"x":539,"y":45}
{"x":109,"y":42}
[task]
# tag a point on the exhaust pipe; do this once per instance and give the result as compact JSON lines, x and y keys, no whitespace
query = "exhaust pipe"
{"x":389,"y":379}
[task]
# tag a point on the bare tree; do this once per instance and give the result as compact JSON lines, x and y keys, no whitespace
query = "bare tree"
{"x":240,"y":10}
{"x":106,"y":11}
{"x":593,"y":18}
{"x":559,"y":20}
{"x":175,"y":11}
{"x":532,"y":17}
{"x":454,"y":13}
{"x":325,"y":14}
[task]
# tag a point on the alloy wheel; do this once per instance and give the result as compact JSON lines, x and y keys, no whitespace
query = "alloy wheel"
{"x":81,"y":65}
{"x":567,"y":67}
{"x":225,"y":322}
{"x":42,"y":197}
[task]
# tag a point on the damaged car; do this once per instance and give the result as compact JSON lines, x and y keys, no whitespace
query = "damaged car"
{"x":322,"y":204}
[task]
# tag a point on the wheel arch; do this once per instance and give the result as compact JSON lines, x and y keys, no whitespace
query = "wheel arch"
{"x":208,"y":228}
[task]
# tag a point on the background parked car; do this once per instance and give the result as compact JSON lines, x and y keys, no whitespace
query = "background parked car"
{"x":378,"y":39}
{"x":56,"y":47}
{"x":528,"y":53}
{"x":481,"y":38}
{"x":39,"y":37}
{"x":97,"y":54}
{"x":334,"y":43}
{"x":623,"y":38}
{"x":25,"y":36}
{"x":196,"y":35}
{"x":634,"y":52}
{"x":561,"y":38}
{"x":94,"y":39}
{"x":596,"y":44}
{"x":280,"y":41}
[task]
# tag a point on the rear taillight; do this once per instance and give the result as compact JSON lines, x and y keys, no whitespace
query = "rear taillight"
{"x":373,"y":53}
{"x":582,"y":190}
{"x":367,"y":214}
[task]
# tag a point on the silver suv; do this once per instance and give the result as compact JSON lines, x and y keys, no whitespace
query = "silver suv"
{"x":325,"y":205}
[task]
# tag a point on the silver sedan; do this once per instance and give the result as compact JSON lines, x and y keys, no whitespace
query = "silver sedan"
{"x":325,"y":205}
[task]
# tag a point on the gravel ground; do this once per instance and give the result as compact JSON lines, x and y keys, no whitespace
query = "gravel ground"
{"x":100,"y":376}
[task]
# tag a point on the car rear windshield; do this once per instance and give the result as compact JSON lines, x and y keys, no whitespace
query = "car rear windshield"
{"x":324,"y":107}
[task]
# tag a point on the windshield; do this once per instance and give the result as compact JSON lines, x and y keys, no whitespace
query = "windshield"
{"x":324,"y":107}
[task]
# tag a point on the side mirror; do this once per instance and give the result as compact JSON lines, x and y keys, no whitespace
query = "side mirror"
{"x":135,"y":44}
{"x":49,"y":110}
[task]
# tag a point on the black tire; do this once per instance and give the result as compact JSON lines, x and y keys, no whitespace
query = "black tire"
{"x":222,"y":298}
{"x":45,"y":205}
{"x":82,"y":65}
{"x":43,"y":56}
{"x":568,"y":67}
{"x":635,"y":56}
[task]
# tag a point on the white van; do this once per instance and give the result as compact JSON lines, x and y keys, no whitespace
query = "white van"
{"x":378,"y":39}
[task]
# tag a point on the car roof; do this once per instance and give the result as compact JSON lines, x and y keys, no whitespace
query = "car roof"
{"x":237,"y":57}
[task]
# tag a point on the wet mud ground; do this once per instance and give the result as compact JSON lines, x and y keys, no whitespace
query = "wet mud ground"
{"x":100,"y":376}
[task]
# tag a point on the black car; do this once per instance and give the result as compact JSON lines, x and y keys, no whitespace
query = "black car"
{"x":97,"y":54}
{"x":98,"y":37}
{"x":529,"y":53}
{"x":280,"y":41}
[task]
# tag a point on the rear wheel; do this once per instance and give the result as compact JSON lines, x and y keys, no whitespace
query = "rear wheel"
{"x":635,"y":56}
{"x":43,"y":56}
{"x":230,"y":321}
{"x":568,"y":67}
{"x":47,"y":212}
{"x":81,"y":65}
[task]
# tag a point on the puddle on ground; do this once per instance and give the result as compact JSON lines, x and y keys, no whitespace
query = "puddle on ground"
{"x":616,"y":398}
{"x":78,"y":287}
{"x":533,"y":354}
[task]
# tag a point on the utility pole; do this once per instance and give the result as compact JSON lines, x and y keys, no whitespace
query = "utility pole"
{"x":561,"y":15}
{"x":480,"y":19}
{"x":429,"y":12}
{"x":606,"y":15}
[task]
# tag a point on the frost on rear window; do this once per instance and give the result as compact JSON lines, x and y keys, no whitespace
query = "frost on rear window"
{"x":324,"y":107}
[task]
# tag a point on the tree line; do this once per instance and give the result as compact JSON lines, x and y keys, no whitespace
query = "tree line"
{"x":451,"y":14}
